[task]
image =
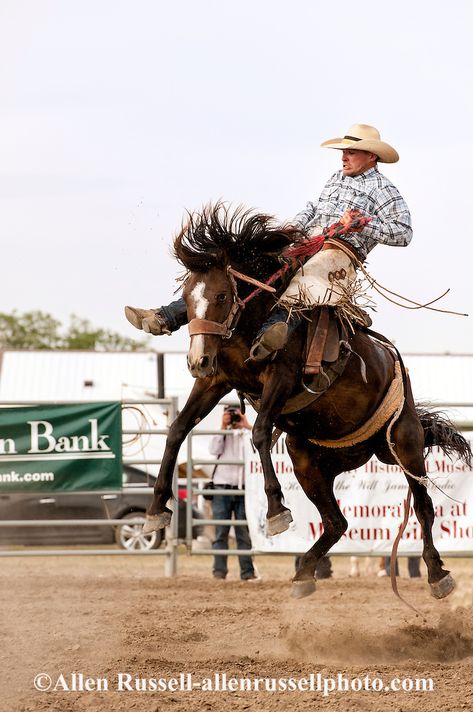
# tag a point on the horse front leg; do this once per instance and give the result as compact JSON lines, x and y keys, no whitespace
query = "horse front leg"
{"x":202,"y":400}
{"x":275,"y":392}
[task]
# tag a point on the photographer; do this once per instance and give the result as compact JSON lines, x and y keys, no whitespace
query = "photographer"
{"x":231,"y":477}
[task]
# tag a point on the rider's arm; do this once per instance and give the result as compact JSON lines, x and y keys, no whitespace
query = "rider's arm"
{"x":306,"y":216}
{"x":390,"y":222}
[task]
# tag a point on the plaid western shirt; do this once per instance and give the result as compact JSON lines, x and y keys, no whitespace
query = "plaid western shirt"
{"x":373,"y":195}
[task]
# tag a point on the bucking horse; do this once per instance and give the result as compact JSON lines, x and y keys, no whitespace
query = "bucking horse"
{"x":360,"y":405}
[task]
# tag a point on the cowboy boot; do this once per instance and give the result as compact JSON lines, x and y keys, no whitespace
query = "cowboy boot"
{"x":149,"y":320}
{"x":274,"y":334}
{"x":163,"y":320}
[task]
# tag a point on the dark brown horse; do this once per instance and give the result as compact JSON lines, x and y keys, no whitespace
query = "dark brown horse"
{"x":212,"y":246}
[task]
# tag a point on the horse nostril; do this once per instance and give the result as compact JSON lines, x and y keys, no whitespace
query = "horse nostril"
{"x":204,"y":361}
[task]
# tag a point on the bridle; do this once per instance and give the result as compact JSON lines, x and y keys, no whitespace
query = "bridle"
{"x":226,"y":328}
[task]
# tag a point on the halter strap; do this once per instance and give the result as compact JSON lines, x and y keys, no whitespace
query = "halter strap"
{"x":205,"y":326}
{"x":225,"y":328}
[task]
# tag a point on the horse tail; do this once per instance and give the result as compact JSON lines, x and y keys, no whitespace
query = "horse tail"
{"x":440,"y":431}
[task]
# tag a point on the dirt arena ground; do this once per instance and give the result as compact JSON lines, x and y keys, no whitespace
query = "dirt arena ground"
{"x":101,"y":616}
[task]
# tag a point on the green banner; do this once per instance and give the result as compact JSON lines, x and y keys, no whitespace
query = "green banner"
{"x":74,"y":447}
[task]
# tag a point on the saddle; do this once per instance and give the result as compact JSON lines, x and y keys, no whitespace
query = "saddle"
{"x":323,"y":340}
{"x":325,"y":334}
{"x":327,"y":352}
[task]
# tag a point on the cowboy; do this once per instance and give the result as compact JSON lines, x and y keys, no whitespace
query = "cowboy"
{"x":328,"y":276}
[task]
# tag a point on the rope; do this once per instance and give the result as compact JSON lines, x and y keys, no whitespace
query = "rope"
{"x":312,"y":245}
{"x":407,"y":507}
{"x":425,"y":480}
{"x":391,"y":405}
{"x":381,"y":289}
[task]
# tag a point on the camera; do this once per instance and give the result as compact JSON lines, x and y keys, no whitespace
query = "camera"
{"x":235,"y":416}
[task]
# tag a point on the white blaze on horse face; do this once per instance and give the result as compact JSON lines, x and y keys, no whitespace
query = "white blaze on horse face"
{"x":196,"y":350}
{"x":201,"y":303}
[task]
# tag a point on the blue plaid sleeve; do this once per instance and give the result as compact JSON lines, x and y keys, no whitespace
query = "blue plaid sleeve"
{"x":306,"y":216}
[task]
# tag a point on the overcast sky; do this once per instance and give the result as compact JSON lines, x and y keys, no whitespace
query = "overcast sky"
{"x":116,"y":116}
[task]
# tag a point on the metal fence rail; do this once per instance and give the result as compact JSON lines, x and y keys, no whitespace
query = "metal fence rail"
{"x":190,"y":521}
{"x":170,"y":552}
{"x":461,"y":425}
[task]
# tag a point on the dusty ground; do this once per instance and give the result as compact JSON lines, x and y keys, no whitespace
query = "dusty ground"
{"x":103,"y":615}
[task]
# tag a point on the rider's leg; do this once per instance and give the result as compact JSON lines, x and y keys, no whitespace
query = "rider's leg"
{"x":274,"y":333}
{"x":163,"y":320}
{"x":326,"y":279}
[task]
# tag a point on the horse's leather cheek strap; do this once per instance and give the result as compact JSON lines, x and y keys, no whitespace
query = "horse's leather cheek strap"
{"x":205,"y":326}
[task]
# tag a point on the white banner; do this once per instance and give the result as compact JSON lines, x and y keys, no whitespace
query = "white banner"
{"x":372,"y":500}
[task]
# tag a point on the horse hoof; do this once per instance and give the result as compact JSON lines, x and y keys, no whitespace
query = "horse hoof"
{"x":279,"y":523}
{"x":155,"y":522}
{"x":301,"y":589}
{"x":442,"y":588}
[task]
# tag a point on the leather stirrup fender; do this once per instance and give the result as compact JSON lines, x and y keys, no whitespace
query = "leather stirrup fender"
{"x":316,"y":337}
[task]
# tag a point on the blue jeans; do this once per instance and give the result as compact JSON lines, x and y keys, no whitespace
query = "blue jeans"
{"x":280,"y":314}
{"x":223,"y":507}
{"x":175,"y":314}
{"x":413,"y":566}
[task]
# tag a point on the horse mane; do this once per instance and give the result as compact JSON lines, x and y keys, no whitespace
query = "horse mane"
{"x":218,"y":236}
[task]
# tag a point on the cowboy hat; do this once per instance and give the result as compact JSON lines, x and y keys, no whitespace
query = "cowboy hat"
{"x":361,"y":137}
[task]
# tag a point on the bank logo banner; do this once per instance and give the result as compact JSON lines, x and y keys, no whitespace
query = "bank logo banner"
{"x":74,"y":447}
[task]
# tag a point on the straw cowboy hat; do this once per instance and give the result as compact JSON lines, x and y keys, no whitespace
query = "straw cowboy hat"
{"x":361,"y":137}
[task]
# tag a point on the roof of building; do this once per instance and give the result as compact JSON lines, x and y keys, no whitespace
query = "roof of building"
{"x":89,"y":375}
{"x":76,"y":375}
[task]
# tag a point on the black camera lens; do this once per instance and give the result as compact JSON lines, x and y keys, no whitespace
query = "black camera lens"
{"x":235,"y":416}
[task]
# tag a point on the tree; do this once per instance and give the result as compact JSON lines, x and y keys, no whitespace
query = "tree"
{"x":37,"y":330}
{"x":31,"y":330}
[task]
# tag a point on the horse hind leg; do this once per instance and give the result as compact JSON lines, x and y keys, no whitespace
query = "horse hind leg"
{"x":441,"y":581}
{"x":320,"y":492}
{"x":318,"y":488}
{"x":407,"y":444}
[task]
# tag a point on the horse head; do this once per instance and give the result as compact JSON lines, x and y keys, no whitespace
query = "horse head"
{"x":210,"y":246}
{"x":212,"y":309}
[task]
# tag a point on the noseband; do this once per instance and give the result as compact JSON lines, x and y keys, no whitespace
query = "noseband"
{"x":226,"y":328}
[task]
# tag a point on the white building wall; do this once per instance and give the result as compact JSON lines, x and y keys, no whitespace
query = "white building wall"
{"x":63,"y":375}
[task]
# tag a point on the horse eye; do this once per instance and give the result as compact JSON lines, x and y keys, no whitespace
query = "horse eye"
{"x":221,"y":298}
